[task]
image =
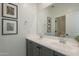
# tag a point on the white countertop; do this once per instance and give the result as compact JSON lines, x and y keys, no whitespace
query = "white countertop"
{"x":70,"y":48}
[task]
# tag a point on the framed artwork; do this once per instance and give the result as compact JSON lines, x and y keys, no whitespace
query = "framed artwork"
{"x":9,"y":27}
{"x":9,"y":10}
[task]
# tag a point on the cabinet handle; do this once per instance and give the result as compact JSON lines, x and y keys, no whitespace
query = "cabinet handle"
{"x":38,"y":47}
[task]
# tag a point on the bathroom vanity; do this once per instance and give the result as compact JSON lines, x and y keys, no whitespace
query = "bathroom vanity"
{"x":50,"y":46}
{"x":35,"y":49}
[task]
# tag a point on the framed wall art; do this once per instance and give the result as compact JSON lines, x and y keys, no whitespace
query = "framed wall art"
{"x":9,"y":10}
{"x":9,"y":27}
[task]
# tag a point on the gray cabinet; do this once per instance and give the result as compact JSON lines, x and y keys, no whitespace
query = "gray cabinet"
{"x":58,"y":54}
{"x":46,"y":51}
{"x":29,"y":48}
{"x":34,"y":49}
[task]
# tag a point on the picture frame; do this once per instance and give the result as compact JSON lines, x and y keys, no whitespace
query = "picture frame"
{"x":9,"y":10}
{"x":9,"y":27}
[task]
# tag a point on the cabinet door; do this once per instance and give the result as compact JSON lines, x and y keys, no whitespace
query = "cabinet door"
{"x":58,"y":54}
{"x":29,"y":48}
{"x":46,"y":52}
{"x":36,"y":49}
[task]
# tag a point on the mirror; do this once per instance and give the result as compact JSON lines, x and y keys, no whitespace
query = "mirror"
{"x":59,"y":19}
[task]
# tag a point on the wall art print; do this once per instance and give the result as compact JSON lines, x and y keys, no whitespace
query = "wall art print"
{"x":9,"y":27}
{"x":9,"y":10}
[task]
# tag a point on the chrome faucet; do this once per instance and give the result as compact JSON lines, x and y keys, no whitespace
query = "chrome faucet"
{"x":41,"y":35}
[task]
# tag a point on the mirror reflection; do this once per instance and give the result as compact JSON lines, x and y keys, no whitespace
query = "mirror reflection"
{"x":59,"y":19}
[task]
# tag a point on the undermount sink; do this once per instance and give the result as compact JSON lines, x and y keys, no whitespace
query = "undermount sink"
{"x":59,"y":43}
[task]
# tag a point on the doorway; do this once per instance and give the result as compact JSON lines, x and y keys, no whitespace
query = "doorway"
{"x":60,"y":26}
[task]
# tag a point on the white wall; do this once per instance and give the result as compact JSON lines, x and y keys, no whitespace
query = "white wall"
{"x":72,"y":15}
{"x":72,"y":24}
{"x":29,"y":15}
{"x":15,"y":45}
{"x":44,"y":5}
